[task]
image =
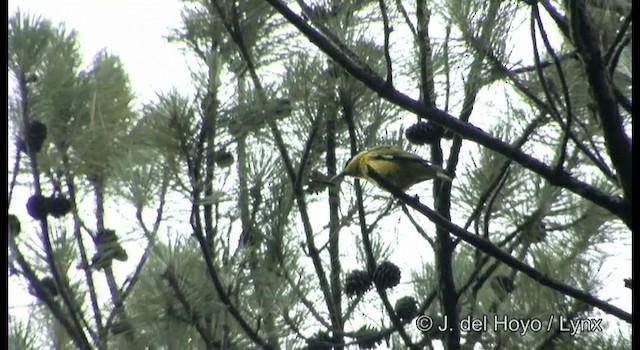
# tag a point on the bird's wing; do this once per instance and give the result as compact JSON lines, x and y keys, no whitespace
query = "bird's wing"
{"x":401,"y":157}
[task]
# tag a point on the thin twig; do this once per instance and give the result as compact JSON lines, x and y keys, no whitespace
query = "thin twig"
{"x":387,"y":33}
{"x":236,"y":35}
{"x":551,"y":102}
{"x":489,"y":248}
{"x":418,"y":228}
{"x":617,"y":142}
{"x":447,"y":68}
{"x":613,"y":64}
{"x":565,"y":89}
{"x":16,"y":168}
{"x":407,"y":20}
{"x":427,"y":89}
{"x":617,"y":41}
{"x":193,"y":314}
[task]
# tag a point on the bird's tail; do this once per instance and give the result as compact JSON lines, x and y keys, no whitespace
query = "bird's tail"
{"x":443,"y":174}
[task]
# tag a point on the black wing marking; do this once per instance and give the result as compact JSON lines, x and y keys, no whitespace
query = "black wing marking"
{"x":400,"y":158}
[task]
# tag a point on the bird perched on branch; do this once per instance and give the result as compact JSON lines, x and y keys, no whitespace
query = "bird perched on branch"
{"x":399,"y":167}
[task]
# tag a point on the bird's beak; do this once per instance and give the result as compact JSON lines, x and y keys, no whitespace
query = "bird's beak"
{"x":337,"y":179}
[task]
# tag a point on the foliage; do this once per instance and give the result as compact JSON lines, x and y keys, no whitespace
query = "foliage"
{"x":229,"y":235}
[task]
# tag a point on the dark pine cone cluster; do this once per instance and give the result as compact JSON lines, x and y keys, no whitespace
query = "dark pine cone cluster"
{"x":108,"y":249}
{"x":357,"y":283}
{"x":320,"y":341}
{"x":39,"y":206}
{"x":14,"y":225}
{"x":386,"y":275}
{"x":406,"y":308}
{"x":49,"y":286}
{"x":368,"y":337}
{"x":36,"y":133}
{"x":422,"y":133}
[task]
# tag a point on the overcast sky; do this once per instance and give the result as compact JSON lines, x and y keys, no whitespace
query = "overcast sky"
{"x":134,"y":30}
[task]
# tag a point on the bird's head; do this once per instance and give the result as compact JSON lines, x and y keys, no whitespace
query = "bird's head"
{"x":352,"y":168}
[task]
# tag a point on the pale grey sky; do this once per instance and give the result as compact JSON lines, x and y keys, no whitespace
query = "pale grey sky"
{"x":130,"y":29}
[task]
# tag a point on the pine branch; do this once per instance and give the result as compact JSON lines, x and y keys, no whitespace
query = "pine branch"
{"x":195,"y":317}
{"x":406,"y":18}
{"x":235,"y":33}
{"x":217,"y":283}
{"x":387,"y":33}
{"x":489,"y":248}
{"x":93,"y":297}
{"x":617,"y":42}
{"x":370,"y":260}
{"x":14,"y":178}
{"x":427,"y":87}
{"x":597,"y":161}
{"x":558,"y":18}
{"x":367,"y":76}
{"x":543,"y":64}
{"x":77,"y":335}
{"x":366,"y":242}
{"x":306,"y":302}
{"x":617,"y":142}
{"x":447,"y":68}
{"x":77,"y":327}
{"x":563,"y":83}
{"x":334,"y":218}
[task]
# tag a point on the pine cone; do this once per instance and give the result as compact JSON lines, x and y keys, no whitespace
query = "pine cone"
{"x":37,"y":207}
{"x":406,"y":308}
{"x":320,"y":341}
{"x":357,"y":283}
{"x":223,"y":158}
{"x":99,"y":261}
{"x":386,"y":275}
{"x":368,"y":337}
{"x":108,"y":249}
{"x":14,"y":225}
{"x":106,"y":236}
{"x":36,"y":133}
{"x":50,"y":286}
{"x":117,"y":252}
{"x":422,"y":133}
{"x":58,"y":206}
{"x":535,"y":232}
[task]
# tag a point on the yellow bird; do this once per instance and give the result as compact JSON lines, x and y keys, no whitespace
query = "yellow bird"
{"x":401,"y":168}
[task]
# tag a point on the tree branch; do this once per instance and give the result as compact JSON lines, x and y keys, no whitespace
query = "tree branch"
{"x":617,"y":142}
{"x":489,"y":248}
{"x":366,"y":75}
{"x":387,"y":33}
